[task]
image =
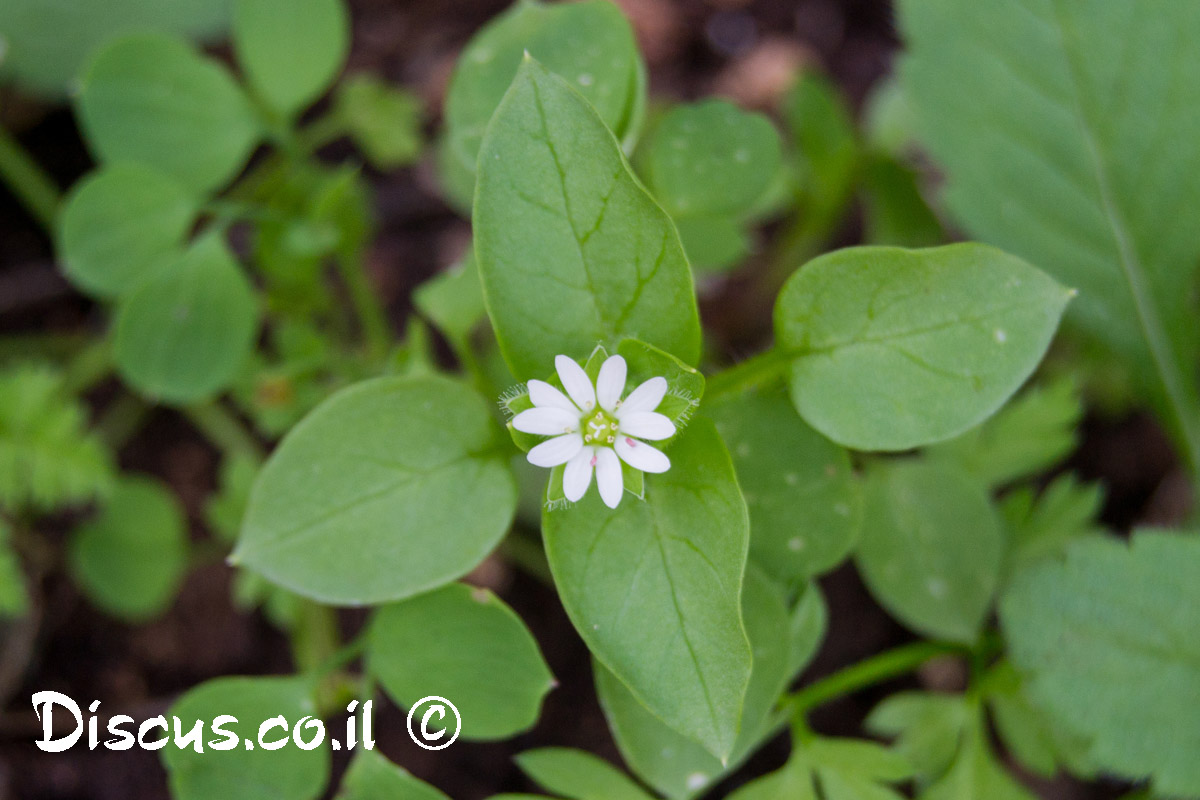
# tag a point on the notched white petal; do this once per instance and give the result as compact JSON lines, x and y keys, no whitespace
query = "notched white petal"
{"x":608,"y":477}
{"x":644,"y":398}
{"x":576,"y":382}
{"x":543,"y":395}
{"x":640,"y":455}
{"x":610,"y":383}
{"x":578,"y":474}
{"x":647,"y":425}
{"x":558,"y":450}
{"x":546,"y":421}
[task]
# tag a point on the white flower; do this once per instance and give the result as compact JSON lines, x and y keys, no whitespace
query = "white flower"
{"x":594,"y":429}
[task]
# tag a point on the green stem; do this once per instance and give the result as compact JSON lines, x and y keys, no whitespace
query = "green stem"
{"x":89,"y":366}
{"x":760,"y":370}
{"x":363,"y":296}
{"x":28,"y":181}
{"x":876,"y":669}
{"x":223,"y":429}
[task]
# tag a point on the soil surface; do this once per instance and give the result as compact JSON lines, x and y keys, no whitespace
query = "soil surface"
{"x":746,"y":49}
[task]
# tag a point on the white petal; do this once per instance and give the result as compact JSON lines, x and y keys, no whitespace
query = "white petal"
{"x":558,"y":450}
{"x":608,"y":477}
{"x":646,"y":425}
{"x":576,"y":382}
{"x":543,"y":395}
{"x":644,"y":398}
{"x":547,"y":421}
{"x":640,"y":455}
{"x":578,"y":474}
{"x":610,"y":383}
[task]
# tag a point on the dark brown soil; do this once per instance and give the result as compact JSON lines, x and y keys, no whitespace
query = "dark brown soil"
{"x":746,"y":48}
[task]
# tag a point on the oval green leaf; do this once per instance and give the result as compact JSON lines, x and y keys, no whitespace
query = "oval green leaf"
{"x":120,"y":225}
{"x":805,"y":502}
{"x":932,"y":547}
{"x":291,"y":50}
{"x":372,"y":777}
{"x":131,"y":559}
{"x":654,"y":588}
{"x":571,"y":249}
{"x":482,"y":658}
{"x":391,"y":487}
{"x":894,"y":348}
{"x":182,"y":335}
{"x":152,"y":99}
{"x":712,"y":158}
{"x":242,"y":773}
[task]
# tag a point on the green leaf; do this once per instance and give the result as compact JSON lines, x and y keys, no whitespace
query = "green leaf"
{"x":152,"y":99}
{"x":578,"y":775}
{"x":453,"y":301}
{"x":1067,"y":130}
{"x":781,"y":645}
{"x":1106,"y":642}
{"x":571,"y":249}
{"x":241,"y":773}
{"x":48,"y":458}
{"x":482,"y":658}
{"x":590,"y":44}
{"x":899,"y":348}
{"x":711,"y":158}
{"x":932,"y":548}
{"x":1028,"y":436}
{"x":407,"y":470}
{"x":48,"y":42}
{"x":894,"y":210}
{"x":1021,"y":727}
{"x":1043,"y":527}
{"x":372,"y":777}
{"x":826,"y":150}
{"x":680,"y":648}
{"x":120,"y":225}
{"x":131,"y":559}
{"x":224,"y":510}
{"x":383,"y":120}
{"x":975,"y":773}
{"x":928,"y":728}
{"x":805,"y":502}
{"x":291,"y":50}
{"x":713,"y":243}
{"x":182,"y":335}
{"x":833,"y":769}
{"x":14,"y":596}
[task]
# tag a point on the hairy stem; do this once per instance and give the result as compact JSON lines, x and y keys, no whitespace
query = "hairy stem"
{"x":28,"y":181}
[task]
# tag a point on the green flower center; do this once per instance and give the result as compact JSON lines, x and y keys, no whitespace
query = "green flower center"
{"x":599,"y":428}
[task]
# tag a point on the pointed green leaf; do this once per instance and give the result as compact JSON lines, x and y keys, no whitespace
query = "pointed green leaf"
{"x":899,"y":348}
{"x":680,"y":647}
{"x":578,"y":775}
{"x":364,"y":500}
{"x":372,"y":777}
{"x":571,"y":249}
